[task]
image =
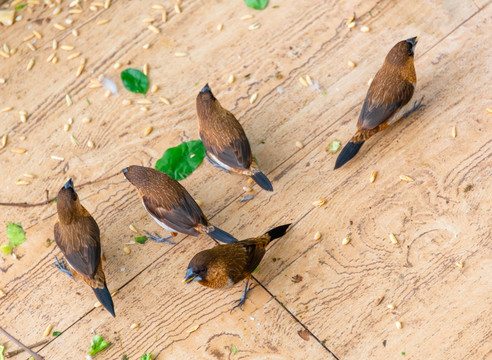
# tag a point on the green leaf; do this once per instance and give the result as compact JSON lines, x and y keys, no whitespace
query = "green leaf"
{"x":6,"y":249}
{"x":256,"y":4}
{"x":2,"y":348}
{"x":146,"y":357}
{"x":97,"y":345}
{"x":180,"y":161}
{"x":124,"y":357}
{"x":141,"y":239}
{"x":16,"y":235}
{"x":255,"y":270}
{"x":20,"y":7}
{"x":135,"y":81}
{"x":57,"y":333}
{"x":234,"y":349}
{"x":334,"y":146}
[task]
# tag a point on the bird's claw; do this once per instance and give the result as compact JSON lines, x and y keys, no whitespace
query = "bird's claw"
{"x":416,"y":105}
{"x":240,"y":302}
{"x":159,"y":239}
{"x":62,"y":267}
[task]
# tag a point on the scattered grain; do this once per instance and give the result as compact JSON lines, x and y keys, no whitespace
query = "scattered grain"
{"x":254,"y":26}
{"x":107,"y":93}
{"x":247,"y":189}
{"x":133,"y":228}
{"x":59,"y":158}
{"x":13,"y":51}
{"x":253,"y":98}
{"x":148,"y":20}
{"x":4,"y":54}
{"x":28,"y":38}
{"x":303,"y":81}
{"x":148,"y":131}
{"x":145,"y":69}
{"x":299,"y":145}
{"x":54,"y":44}
{"x":47,"y":331}
{"x":154,"y":89}
{"x":90,"y":144}
{"x":350,"y":20}
{"x":317,"y":236}
{"x":318,"y":203}
{"x":73,"y":56}
{"x":18,"y":150}
{"x":30,"y":176}
{"x":97,"y":304}
{"x":74,"y":140}
{"x":75,"y":32}
{"x":126,"y":102}
{"x":55,"y":60}
{"x":2,"y":81}
{"x":165,"y":100}
{"x":365,"y":29}
{"x":116,"y":65}
{"x":126,"y":250}
{"x":22,"y":182}
{"x":393,"y":238}
{"x":68,"y":21}
{"x":102,"y":22}
{"x":309,"y":80}
{"x":68,"y":99}
{"x":157,"y":7}
{"x":144,"y":108}
{"x":398,"y":325}
{"x":192,"y":328}
{"x":75,"y":11}
{"x":70,"y":121}
{"x":345,"y":240}
{"x":4,"y":142}
{"x":51,"y":57}
{"x":30,"y":65}
{"x":374,"y":174}
{"x":107,"y":4}
{"x":67,"y":47}
{"x":23,"y":116}
{"x":146,"y":46}
{"x":153,"y":29}
{"x":489,"y":110}
{"x":369,"y":82}
{"x":22,"y":138}
{"x":250,"y":180}
{"x":460,"y":264}
{"x":59,"y":26}
{"x":30,"y":46}
{"x":231,"y":79}
{"x":199,"y":202}
{"x":7,"y":109}
{"x":391,"y":306}
{"x":220,"y":27}
{"x":351,"y":25}
{"x":144,"y":102}
{"x":351,"y":64}
{"x":66,"y":127}
{"x":177,"y":8}
{"x":81,"y":67}
{"x":37,"y":34}
{"x":453,"y":132}
{"x":246,"y":17}
{"x":164,"y":16}
{"x":2,"y":293}
{"x":406,"y":178}
{"x":180,"y":54}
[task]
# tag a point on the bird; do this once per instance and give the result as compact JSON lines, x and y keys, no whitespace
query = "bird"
{"x":223,"y":266}
{"x":387,"y":99}
{"x":78,"y":237}
{"x":224,"y":139}
{"x":171,"y":206}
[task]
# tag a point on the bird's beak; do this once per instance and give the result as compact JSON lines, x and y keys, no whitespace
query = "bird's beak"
{"x":190,"y":277}
{"x":68,"y":184}
{"x":124,"y":171}
{"x":205,"y":88}
{"x":413,"y":40}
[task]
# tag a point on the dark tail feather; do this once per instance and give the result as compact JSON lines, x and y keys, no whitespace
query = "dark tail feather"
{"x":105,"y":299}
{"x":347,"y":153}
{"x":277,"y":232}
{"x":221,"y":235}
{"x":262,"y":181}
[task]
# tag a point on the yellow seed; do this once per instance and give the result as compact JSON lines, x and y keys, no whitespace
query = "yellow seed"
{"x":55,"y":60}
{"x":250,"y":180}
{"x":351,"y":64}
{"x":75,"y":32}
{"x":406,"y":178}
{"x":7,"y":109}
{"x":81,"y":68}
{"x":146,"y":46}
{"x":247,"y":189}
{"x":157,"y":7}
{"x":374,"y":174}
{"x":2,"y":293}
{"x":180,"y":54}
{"x":144,"y":108}
{"x":318,"y":203}
{"x":153,"y":29}
{"x":154,"y":89}
{"x":13,"y":51}
{"x":303,"y":81}
{"x":90,"y":144}
{"x":47,"y":331}
{"x":22,"y":138}
{"x":398,"y":325}
{"x":351,"y":25}
{"x":453,"y":132}
{"x":68,"y":99}
{"x":102,"y":22}
{"x":253,"y":98}
{"x":30,"y":46}
{"x":126,"y":102}
{"x":54,"y":45}
{"x":29,"y":37}
{"x":145,"y":69}
{"x":148,"y":131}
{"x":133,"y":228}
{"x":19,"y":150}
{"x":74,"y":140}
{"x":177,"y":8}
{"x":75,"y":11}
{"x":66,"y":127}
{"x":365,"y":29}
{"x":144,"y":102}
{"x":30,"y":65}
{"x":192,"y":328}
{"x":73,"y":56}
{"x":134,"y":326}
{"x":219,"y":27}
{"x":56,"y":11}
{"x":37,"y":34}
{"x":460,"y":264}
{"x":70,"y":121}
{"x":6,"y":48}
{"x":489,"y":110}
{"x":2,"y":81}
{"x":97,"y":304}
{"x":299,"y":145}
{"x":50,"y":58}
{"x":30,"y":176}
{"x":59,"y":158}
{"x":4,"y":142}
{"x":67,"y":47}
{"x":59,"y":26}
{"x":107,"y":4}
{"x":317,"y":236}
{"x":391,"y":306}
{"x":126,"y":250}
{"x":107,"y":94}
{"x":93,"y":8}
{"x":350,"y":20}
{"x":116,"y":65}
{"x":148,"y":20}
{"x":22,"y":182}
{"x":246,"y":17}
{"x":165,"y":100}
{"x":309,"y":80}
{"x":4,"y":54}
{"x":393,"y":238}
{"x":231,"y":79}
{"x":345,"y":241}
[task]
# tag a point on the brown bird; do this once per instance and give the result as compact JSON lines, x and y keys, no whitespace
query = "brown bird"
{"x":77,"y":236}
{"x":171,"y":206}
{"x":224,"y":138}
{"x":391,"y":89}
{"x":225,"y":265}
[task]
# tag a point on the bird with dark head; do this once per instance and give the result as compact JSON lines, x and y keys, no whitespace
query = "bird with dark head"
{"x":171,"y":206}
{"x":225,"y":140}
{"x":77,"y":236}
{"x":225,"y":265}
{"x":388,"y":97}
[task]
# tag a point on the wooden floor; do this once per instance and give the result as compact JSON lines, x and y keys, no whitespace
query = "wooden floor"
{"x":445,"y":310}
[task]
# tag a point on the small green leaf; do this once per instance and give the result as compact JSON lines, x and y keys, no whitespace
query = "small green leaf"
{"x":255,"y":270}
{"x":256,"y":4}
{"x":55,"y":200}
{"x":124,"y":357}
{"x":16,"y":236}
{"x":247,"y":76}
{"x":6,"y":249}
{"x":57,"y":333}
{"x":334,"y":146}
{"x":234,"y":349}
{"x":141,"y":239}
{"x":88,"y":101}
{"x":97,"y":345}
{"x":20,"y":7}
{"x":180,"y":161}
{"x":2,"y":348}
{"x":146,"y":357}
{"x":403,"y":353}
{"x":135,"y":81}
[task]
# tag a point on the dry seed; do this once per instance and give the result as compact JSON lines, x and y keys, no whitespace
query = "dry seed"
{"x":86,"y":120}
{"x":19,"y":150}
{"x":75,"y":11}
{"x":246,"y":17}
{"x":453,"y":132}
{"x":393,"y":239}
{"x":369,"y":82}
{"x":148,"y":131}
{"x":30,"y":65}
{"x":4,"y":142}
{"x":67,"y":47}
{"x":59,"y":26}
{"x":351,"y":25}
{"x":134,"y":326}
{"x":365,"y":29}
{"x":30,"y":176}
{"x":97,"y":304}
{"x":66,"y":127}
{"x":303,"y":81}
{"x":181,"y":54}
{"x":374,"y":174}
{"x":70,"y":121}
{"x":116,"y":65}
{"x":231,"y":79}
{"x":489,"y":110}
{"x":56,"y":11}
{"x":250,"y":181}
{"x":199,"y":202}
{"x":31,"y":46}
{"x":27,"y":38}
{"x":254,"y":26}
{"x":153,"y":29}
{"x":133,"y":228}
{"x":47,"y":331}
{"x":74,"y":140}
{"x":146,"y":46}
{"x":157,"y":7}
{"x":107,"y":4}
{"x":23,"y":116}
{"x":22,"y":138}
{"x":37,"y":34}
{"x":351,"y":64}
{"x":309,"y":80}
{"x":144,"y":108}
{"x":460,"y":264}
{"x":90,"y":144}
{"x":148,"y":20}
{"x":126,"y":102}
{"x":102,"y":22}
{"x":55,"y":60}
{"x":253,"y":98}
{"x":219,"y":27}
{"x":2,"y":293}
{"x":318,"y":203}
{"x":2,"y":81}
{"x":55,"y":44}
{"x":406,"y":178}
{"x":164,"y":16}
{"x":247,"y":189}
{"x":177,"y":8}
{"x":75,"y":32}
{"x":7,"y":109}
{"x":350,"y":20}
{"x":81,"y":68}
{"x":398,"y":325}
{"x":165,"y":100}
{"x":59,"y":158}
{"x":13,"y":51}
{"x":68,"y":99}
{"x":73,"y":56}
{"x":192,"y":328}
{"x":126,"y":250}
{"x":299,"y":145}
{"x":391,"y":306}
{"x":317,"y":236}
{"x":154,"y":89}
{"x":22,"y":182}
{"x":4,"y":54}
{"x":50,"y":58}
{"x":345,"y":241}
{"x":144,"y":102}
{"x":145,"y":69}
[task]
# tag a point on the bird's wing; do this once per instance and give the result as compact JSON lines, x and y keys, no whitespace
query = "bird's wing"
{"x":253,"y":252}
{"x":80,"y":243}
{"x":387,"y":94}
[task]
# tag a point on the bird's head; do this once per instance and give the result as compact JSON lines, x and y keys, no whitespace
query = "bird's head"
{"x":197,"y":269}
{"x":402,"y":52}
{"x":68,"y":204}
{"x":205,"y":95}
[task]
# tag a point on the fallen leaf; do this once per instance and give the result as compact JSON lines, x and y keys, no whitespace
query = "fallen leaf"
{"x":304,"y":334}
{"x":296,"y":278}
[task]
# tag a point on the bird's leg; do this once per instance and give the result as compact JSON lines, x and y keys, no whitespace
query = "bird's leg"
{"x":215,"y":164}
{"x":63,"y":267}
{"x":242,"y":299}
{"x":157,"y":238}
{"x":415,"y":107}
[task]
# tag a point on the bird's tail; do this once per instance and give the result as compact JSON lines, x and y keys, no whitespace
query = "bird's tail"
{"x":220,"y":235}
{"x":262,"y":181}
{"x":347,"y":153}
{"x":277,"y":232}
{"x":104,"y":297}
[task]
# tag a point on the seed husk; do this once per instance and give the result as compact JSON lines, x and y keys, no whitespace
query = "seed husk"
{"x":398,"y":325}
{"x":19,"y":151}
{"x":373,"y":177}
{"x":47,"y":331}
{"x":192,"y":328}
{"x":30,"y":65}
{"x":317,"y":236}
{"x":406,"y":178}
{"x":393,"y":238}
{"x":153,"y":29}
{"x":148,"y":131}
{"x":253,"y":98}
{"x":303,"y":81}
{"x":126,"y":250}
{"x":133,"y":228}
{"x":4,"y":54}
{"x":309,"y":80}
{"x":68,"y":99}
{"x":231,"y":79}
{"x":318,"y":203}
{"x":365,"y":29}
{"x":345,"y":241}
{"x":90,"y":144}
{"x":299,"y":145}
{"x":453,"y":132}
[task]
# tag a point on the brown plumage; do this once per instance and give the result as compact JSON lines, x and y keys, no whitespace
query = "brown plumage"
{"x":225,"y":265}
{"x":392,"y":88}
{"x":77,"y":235}
{"x":225,"y":140}
{"x":171,"y":206}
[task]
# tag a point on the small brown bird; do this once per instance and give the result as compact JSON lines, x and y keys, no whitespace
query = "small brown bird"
{"x":391,"y":89}
{"x":224,"y":138}
{"x":225,"y":265}
{"x":77,"y":236}
{"x":171,"y":206}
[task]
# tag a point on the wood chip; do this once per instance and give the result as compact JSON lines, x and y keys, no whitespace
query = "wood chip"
{"x":318,"y":203}
{"x":133,"y":228}
{"x":68,"y":99}
{"x":19,"y":151}
{"x":393,"y":238}
{"x":398,"y":325}
{"x":453,"y":132}
{"x":165,"y":100}
{"x":231,"y":79}
{"x":126,"y":250}
{"x":253,"y":98}
{"x":317,"y":236}
{"x":299,"y":145}
{"x":47,"y":331}
{"x":59,"y":158}
{"x":153,"y":29}
{"x":346,"y":241}
{"x":365,"y":29}
{"x":30,"y":65}
{"x":373,"y":177}
{"x":303,"y":81}
{"x":406,"y":178}
{"x":148,"y":131}
{"x":192,"y":328}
